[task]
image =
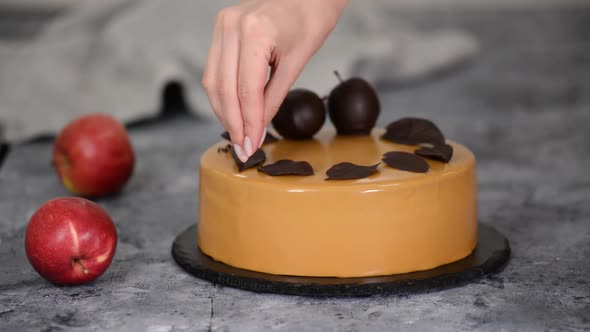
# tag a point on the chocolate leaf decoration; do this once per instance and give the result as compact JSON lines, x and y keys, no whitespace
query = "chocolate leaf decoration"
{"x":287,"y":167}
{"x":442,"y":153}
{"x":349,"y":171}
{"x":225,"y":135}
{"x":405,"y":161}
{"x":269,"y":138}
{"x":414,"y":131}
{"x":224,"y":149}
{"x":257,"y":158}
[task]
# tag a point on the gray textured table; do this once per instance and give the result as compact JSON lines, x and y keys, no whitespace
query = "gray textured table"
{"x":523,"y":107}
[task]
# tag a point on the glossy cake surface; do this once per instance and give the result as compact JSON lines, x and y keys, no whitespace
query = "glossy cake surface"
{"x":391,"y":222}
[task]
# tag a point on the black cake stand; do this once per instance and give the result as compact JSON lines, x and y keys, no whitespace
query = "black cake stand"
{"x":490,"y":256}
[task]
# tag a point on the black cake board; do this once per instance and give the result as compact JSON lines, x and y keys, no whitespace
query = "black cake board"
{"x":490,"y":256}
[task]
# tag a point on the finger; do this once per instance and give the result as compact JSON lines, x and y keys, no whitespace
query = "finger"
{"x":209,"y":81}
{"x":284,"y":74}
{"x":262,"y":137}
{"x":252,"y":76}
{"x":227,"y":73}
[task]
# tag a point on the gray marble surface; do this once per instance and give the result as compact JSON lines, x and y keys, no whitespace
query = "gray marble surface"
{"x":523,"y":107}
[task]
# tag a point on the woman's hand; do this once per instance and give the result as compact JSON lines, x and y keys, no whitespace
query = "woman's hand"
{"x":251,"y":39}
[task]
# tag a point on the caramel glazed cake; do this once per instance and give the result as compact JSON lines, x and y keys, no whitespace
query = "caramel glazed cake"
{"x":342,"y":203}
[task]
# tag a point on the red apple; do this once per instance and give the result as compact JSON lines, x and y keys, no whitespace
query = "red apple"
{"x":70,"y":240}
{"x":93,"y":155}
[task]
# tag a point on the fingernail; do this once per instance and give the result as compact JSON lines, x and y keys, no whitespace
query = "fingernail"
{"x":248,"y":146}
{"x":262,"y":138}
{"x":240,"y":153}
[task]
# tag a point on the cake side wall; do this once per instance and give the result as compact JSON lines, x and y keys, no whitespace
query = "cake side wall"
{"x":338,"y":231}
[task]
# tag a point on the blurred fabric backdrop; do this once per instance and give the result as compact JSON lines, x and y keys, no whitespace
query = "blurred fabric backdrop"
{"x":63,"y":58}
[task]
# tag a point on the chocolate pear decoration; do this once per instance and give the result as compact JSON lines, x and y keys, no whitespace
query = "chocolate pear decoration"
{"x":301,"y":115}
{"x":353,"y":106}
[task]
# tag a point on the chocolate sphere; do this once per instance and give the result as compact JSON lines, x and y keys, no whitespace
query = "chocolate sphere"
{"x":353,"y":107}
{"x":301,"y":115}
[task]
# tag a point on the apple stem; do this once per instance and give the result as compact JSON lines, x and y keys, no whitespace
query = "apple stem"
{"x":84,"y":269}
{"x":338,"y":76}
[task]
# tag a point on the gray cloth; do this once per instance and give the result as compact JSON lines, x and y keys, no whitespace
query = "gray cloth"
{"x":115,"y":56}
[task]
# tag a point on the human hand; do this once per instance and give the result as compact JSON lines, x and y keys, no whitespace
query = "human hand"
{"x":250,"y":39}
